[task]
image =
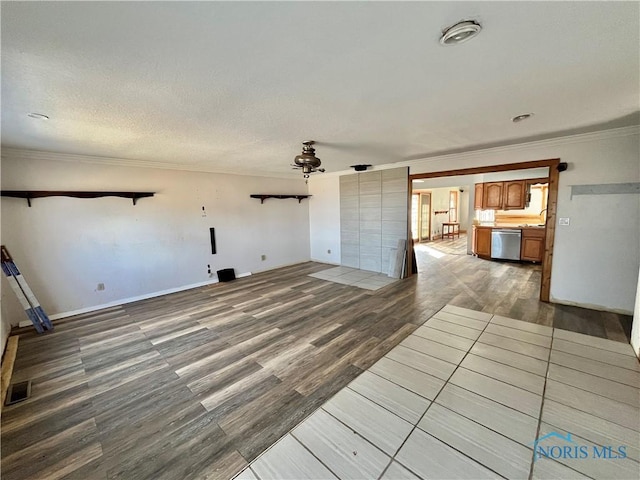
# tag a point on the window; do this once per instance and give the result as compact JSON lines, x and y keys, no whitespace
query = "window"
{"x":453,"y":206}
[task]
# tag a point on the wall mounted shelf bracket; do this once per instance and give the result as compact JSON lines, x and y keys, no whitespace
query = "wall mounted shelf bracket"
{"x":264,"y":196}
{"x":30,"y":194}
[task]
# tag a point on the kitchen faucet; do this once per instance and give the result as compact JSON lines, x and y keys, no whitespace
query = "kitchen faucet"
{"x":544,"y":210}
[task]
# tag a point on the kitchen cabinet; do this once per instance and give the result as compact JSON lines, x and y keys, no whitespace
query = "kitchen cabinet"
{"x":492,"y":196}
{"x":532,"y":247}
{"x":482,"y":241}
{"x":510,"y":195}
{"x":514,"y":195}
{"x":478,"y":196}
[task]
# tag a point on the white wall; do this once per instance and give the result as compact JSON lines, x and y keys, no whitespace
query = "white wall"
{"x":325,"y":208}
{"x":596,"y":257}
{"x":5,"y":327}
{"x":66,"y":246}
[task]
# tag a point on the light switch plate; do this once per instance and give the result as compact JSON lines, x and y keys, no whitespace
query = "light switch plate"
{"x":563,"y":221}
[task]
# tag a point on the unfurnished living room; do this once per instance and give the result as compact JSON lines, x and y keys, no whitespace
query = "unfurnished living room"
{"x":320,"y":240}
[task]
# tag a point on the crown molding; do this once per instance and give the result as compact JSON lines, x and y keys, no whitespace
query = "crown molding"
{"x":27,"y":155}
{"x":23,"y":154}
{"x":551,"y":142}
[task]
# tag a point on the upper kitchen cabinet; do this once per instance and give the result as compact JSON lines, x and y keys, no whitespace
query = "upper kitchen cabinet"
{"x":478,"y":196}
{"x":492,"y":196}
{"x":509,"y":195}
{"x":514,"y":195}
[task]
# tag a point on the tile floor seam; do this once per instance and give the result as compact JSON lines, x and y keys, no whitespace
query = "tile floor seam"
{"x":457,"y":450}
{"x":592,"y":374}
{"x":382,"y":406}
{"x":517,"y":339}
{"x":501,"y":381}
{"x":502,"y":363}
{"x":593,"y":414}
{"x":426,"y":325}
{"x":424,"y":353}
{"x":481,"y":424}
{"x":395,"y":383}
{"x":312,"y":454}
{"x":631,"y":354}
{"x":595,"y":393}
{"x":513,"y":351}
{"x":544,"y":391}
{"x":436,"y":341}
{"x":400,"y":463}
{"x":434,"y":400}
{"x":347,"y":426}
{"x":462,"y":318}
{"x":450,"y":333}
{"x":491,"y":399}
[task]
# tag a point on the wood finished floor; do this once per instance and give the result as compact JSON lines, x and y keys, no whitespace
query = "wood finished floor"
{"x":198,"y":383}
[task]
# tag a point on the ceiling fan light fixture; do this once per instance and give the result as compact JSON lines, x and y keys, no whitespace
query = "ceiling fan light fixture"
{"x":460,"y":32}
{"x":307,"y":160}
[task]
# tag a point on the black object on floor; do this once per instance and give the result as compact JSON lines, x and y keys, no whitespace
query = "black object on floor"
{"x":226,"y":274}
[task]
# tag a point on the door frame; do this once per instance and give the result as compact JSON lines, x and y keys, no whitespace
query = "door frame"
{"x":552,"y":204}
{"x":419,"y":193}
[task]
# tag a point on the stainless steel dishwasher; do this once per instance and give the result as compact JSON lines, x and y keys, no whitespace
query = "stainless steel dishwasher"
{"x":505,"y":243}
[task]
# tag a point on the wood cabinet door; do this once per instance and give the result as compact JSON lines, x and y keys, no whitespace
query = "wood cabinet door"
{"x":477,"y":202}
{"x":492,"y":195}
{"x":483,"y":242}
{"x":514,"y":195}
{"x":532,"y":249}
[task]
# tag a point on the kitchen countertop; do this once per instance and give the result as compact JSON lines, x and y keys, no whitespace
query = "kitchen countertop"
{"x":509,"y":225}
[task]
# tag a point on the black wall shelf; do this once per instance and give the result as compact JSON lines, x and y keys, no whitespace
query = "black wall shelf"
{"x":264,"y":196}
{"x":30,"y":194}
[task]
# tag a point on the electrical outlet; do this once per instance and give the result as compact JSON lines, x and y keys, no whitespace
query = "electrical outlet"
{"x":100,"y":287}
{"x":563,"y":221}
{"x":263,"y":257}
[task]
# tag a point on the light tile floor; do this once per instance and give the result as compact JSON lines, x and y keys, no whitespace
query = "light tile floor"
{"x":466,"y":396}
{"x":354,"y":277}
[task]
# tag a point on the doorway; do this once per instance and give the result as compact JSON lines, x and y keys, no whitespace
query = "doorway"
{"x":421,"y":216}
{"x":552,"y":194}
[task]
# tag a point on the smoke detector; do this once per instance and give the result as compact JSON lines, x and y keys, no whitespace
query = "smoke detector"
{"x":460,"y":32}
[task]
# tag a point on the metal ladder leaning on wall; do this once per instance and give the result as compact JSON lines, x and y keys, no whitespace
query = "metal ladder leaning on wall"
{"x":25,"y":295}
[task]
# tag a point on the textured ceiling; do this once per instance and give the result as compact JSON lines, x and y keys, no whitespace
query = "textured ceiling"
{"x":236,"y":87}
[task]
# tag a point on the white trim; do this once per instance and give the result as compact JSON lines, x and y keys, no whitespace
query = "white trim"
{"x":24,"y":154}
{"x":115,"y":303}
{"x":318,"y":260}
{"x":590,"y":306}
{"x":551,"y":142}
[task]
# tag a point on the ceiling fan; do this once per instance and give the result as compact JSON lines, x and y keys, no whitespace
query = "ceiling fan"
{"x":307,"y":160}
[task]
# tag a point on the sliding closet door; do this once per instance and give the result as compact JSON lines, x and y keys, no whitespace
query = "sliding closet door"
{"x":395,"y":208}
{"x":373,"y":217}
{"x":349,"y":221}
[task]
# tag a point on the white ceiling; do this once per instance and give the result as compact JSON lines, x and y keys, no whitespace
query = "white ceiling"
{"x":236,"y":87}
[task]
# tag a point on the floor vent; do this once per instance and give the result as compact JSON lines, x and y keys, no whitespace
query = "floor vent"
{"x":18,"y":392}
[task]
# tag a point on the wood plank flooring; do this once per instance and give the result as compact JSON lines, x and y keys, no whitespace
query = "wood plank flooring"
{"x":198,"y":383}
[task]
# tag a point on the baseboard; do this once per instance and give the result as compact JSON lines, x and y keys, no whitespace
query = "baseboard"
{"x":317,"y":260}
{"x":590,"y":306}
{"x":115,"y":303}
